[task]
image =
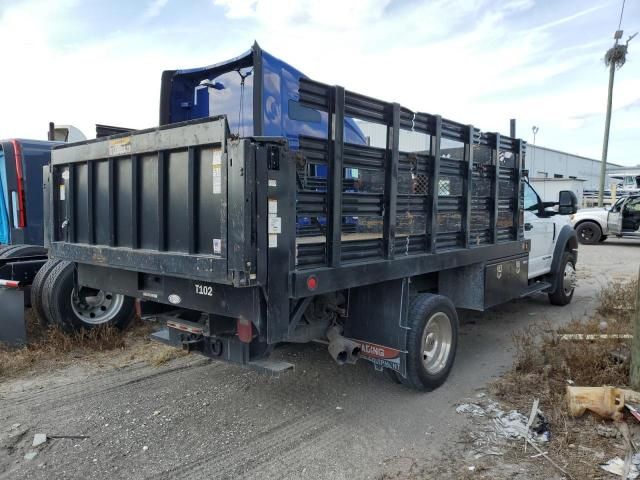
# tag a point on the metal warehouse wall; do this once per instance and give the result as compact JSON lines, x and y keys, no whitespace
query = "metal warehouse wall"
{"x":543,"y":162}
{"x":540,"y":161}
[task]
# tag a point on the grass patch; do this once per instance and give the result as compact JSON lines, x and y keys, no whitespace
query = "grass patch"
{"x":157,"y":354}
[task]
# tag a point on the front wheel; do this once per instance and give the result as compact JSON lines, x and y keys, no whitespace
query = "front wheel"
{"x":565,"y":280}
{"x":432,"y":341}
{"x":589,"y":233}
{"x":72,"y":307}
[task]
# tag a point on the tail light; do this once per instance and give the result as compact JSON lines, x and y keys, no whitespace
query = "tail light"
{"x":245,"y":330}
{"x":17,"y":152}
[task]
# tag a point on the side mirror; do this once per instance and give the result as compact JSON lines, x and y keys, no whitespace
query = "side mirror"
{"x":567,"y":202}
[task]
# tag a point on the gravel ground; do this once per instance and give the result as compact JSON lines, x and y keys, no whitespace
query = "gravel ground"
{"x":194,"y":417}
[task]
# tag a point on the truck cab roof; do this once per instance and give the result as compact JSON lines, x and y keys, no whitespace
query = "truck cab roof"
{"x":256,"y":91}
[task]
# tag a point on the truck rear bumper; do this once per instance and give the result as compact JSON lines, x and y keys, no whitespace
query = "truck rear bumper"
{"x":196,"y":295}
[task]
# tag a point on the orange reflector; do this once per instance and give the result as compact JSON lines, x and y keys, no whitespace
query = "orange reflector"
{"x":245,"y":330}
{"x":185,"y":328}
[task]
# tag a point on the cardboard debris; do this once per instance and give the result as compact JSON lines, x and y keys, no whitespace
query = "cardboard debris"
{"x":616,"y":466}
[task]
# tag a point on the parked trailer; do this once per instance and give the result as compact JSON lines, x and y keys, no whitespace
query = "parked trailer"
{"x":24,"y":265}
{"x":205,"y":225}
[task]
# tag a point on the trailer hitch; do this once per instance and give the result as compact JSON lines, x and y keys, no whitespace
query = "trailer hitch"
{"x":193,"y":344}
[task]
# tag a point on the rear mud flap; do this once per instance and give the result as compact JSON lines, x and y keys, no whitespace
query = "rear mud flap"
{"x":13,"y":330}
{"x":378,"y":322}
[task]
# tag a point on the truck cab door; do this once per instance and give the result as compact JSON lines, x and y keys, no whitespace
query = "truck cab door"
{"x":540,"y":229}
{"x":614,"y":218}
{"x":631,"y":216}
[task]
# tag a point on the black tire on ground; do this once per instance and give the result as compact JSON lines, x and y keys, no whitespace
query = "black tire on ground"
{"x":431,"y":342}
{"x":36,"y":290}
{"x":87,"y":308}
{"x":16,"y":251}
{"x":564,"y":284}
{"x":588,"y":233}
{"x":602,"y":238}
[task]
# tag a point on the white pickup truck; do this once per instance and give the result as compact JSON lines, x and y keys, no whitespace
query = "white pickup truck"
{"x":594,"y":225}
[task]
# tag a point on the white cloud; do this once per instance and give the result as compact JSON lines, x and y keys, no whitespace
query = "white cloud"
{"x":326,"y":13}
{"x":463,"y":59}
{"x":154,"y":8}
{"x":114,"y":79}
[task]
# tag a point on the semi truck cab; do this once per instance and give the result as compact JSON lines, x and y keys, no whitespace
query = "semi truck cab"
{"x":21,"y":199}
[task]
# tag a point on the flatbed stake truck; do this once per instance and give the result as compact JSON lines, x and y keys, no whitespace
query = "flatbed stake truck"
{"x":257,"y":214}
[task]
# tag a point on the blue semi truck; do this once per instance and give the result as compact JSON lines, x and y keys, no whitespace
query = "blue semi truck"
{"x":24,"y":263}
{"x":21,"y":202}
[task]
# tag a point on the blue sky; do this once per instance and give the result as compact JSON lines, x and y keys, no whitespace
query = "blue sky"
{"x":475,"y":61}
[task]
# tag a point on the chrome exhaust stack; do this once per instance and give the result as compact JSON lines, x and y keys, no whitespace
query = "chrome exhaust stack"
{"x":342,"y":349}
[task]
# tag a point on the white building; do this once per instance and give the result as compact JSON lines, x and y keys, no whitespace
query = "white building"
{"x":545,"y":162}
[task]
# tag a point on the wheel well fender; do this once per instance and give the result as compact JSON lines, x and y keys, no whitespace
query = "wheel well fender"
{"x":591,"y":220}
{"x":567,"y":242}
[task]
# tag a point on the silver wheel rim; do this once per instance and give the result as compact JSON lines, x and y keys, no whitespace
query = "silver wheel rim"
{"x":437,"y":338}
{"x":569,"y":279}
{"x":96,"y":308}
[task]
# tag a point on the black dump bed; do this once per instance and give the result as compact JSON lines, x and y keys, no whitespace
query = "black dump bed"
{"x":188,"y":201}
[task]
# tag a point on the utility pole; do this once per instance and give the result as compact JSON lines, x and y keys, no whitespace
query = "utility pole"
{"x":615,"y":58}
{"x":535,"y":131}
{"x":635,"y":343}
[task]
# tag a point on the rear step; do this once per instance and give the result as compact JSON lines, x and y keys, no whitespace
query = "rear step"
{"x":271,"y":367}
{"x":535,"y":288}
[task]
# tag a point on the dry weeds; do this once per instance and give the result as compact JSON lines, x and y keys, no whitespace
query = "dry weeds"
{"x":546,"y":364}
{"x":50,"y":347}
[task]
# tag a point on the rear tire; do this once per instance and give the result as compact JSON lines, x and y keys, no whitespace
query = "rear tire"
{"x":87,"y":308}
{"x":565,"y":280}
{"x":431,"y":342}
{"x":37,"y":287}
{"x":17,"y":251}
{"x":589,"y":233}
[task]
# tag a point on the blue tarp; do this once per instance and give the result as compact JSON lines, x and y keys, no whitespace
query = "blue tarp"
{"x":4,"y":202}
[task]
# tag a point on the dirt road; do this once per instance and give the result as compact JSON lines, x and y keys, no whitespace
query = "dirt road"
{"x":192,"y":417}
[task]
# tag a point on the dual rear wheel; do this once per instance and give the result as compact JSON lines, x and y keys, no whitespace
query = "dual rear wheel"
{"x":56,"y":300}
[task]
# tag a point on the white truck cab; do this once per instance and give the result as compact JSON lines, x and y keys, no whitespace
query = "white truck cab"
{"x":554,"y":244}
